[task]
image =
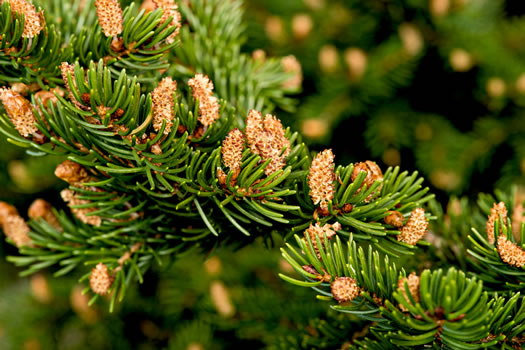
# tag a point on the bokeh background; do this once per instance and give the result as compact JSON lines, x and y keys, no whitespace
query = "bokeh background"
{"x":432,"y":85}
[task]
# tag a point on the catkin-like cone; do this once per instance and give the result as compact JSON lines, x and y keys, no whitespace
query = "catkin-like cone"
{"x":16,"y":229}
{"x":202,"y":88}
{"x":110,"y":18}
{"x":415,"y":228}
{"x":100,"y":279}
{"x":163,"y":104}
{"x":510,"y":252}
{"x":266,"y":137}
{"x":232,"y":148}
{"x":321,"y":178}
{"x":34,"y":22}
{"x":344,"y":289}
{"x":20,"y":112}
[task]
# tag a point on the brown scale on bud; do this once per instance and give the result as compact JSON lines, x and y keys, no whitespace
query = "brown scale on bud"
{"x":347,"y":208}
{"x":290,"y":64}
{"x":510,"y":253}
{"x":321,"y":178}
{"x":72,"y":173}
{"x":169,"y":9}
{"x":34,"y":21}
{"x":156,"y":149}
{"x":163,"y":104}
{"x":344,"y":289}
{"x":373,"y":174}
{"x":325,"y":277}
{"x":327,"y":230}
{"x":71,"y":198}
{"x":20,"y":112}
{"x":495,"y":212}
{"x":413,"y":287}
{"x":266,"y":137}
{"x":202,"y":88}
{"x":415,"y":228}
{"x":394,"y":218}
{"x":41,"y":209}
{"x":232,"y":148}
{"x":110,"y":18}
{"x":100,"y":279}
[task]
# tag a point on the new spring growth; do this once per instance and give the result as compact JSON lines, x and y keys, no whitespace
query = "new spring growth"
{"x":163,"y":104}
{"x":110,"y":18}
{"x":495,"y":212}
{"x":415,"y":228}
{"x":202,"y":88}
{"x":344,"y":289}
{"x":34,"y":21}
{"x":321,"y":178}
{"x":100,"y":279}
{"x":413,"y":287}
{"x":169,"y":9}
{"x":266,"y":137}
{"x":20,"y":112}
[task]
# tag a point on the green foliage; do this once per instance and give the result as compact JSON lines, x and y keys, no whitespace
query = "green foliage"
{"x":165,"y":194}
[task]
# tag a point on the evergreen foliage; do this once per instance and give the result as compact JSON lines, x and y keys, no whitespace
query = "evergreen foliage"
{"x":170,"y":153}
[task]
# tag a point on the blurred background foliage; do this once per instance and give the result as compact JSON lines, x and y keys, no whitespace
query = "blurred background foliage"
{"x":432,"y":85}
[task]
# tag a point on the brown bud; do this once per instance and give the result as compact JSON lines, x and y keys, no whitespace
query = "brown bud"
{"x":100,"y":280}
{"x":6,"y":210}
{"x":344,"y":289}
{"x":510,"y":253}
{"x":202,"y":88}
{"x":41,"y":209}
{"x":20,"y":112}
{"x":34,"y":22}
{"x":321,"y":178}
{"x":72,"y":173}
{"x":415,"y":228}
{"x":394,"y":218}
{"x":110,"y":18}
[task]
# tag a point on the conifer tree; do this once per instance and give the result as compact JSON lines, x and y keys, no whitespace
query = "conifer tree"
{"x":171,"y":146}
